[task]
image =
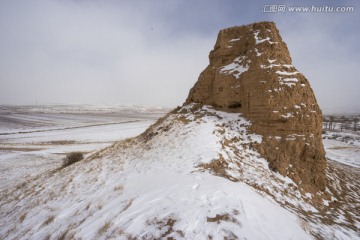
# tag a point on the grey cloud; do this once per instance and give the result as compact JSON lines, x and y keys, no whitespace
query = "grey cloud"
{"x":151,"y":52}
{"x":323,"y":47}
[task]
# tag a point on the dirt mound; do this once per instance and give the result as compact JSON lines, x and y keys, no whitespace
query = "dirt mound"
{"x":250,"y":72}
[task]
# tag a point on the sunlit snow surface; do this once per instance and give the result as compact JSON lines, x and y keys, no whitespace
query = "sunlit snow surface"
{"x":149,"y":188}
{"x":153,"y":187}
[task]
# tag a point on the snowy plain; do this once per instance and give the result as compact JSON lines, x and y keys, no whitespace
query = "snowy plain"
{"x":35,"y":139}
{"x":343,"y":147}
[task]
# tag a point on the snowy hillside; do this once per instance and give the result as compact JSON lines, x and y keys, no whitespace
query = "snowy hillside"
{"x":192,"y":175}
{"x":33,"y":142}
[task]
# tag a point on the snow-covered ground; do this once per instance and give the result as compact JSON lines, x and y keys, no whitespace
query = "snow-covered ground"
{"x":35,"y":139}
{"x":343,"y":147}
{"x":163,"y":184}
{"x":149,"y":188}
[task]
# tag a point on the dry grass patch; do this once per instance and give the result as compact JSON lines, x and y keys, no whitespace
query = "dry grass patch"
{"x":128,"y":205}
{"x":22,"y":217}
{"x":49,"y":220}
{"x":72,"y":158}
{"x":347,"y":147}
{"x":217,"y":167}
{"x":63,"y":235}
{"x":20,"y":149}
{"x":223,"y":217}
{"x":118,"y":188}
{"x":183,"y":119}
{"x":59,"y":142}
{"x":104,"y":228}
{"x":166,"y":224}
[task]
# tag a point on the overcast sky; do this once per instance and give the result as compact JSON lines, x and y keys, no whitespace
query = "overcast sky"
{"x":152,"y":52}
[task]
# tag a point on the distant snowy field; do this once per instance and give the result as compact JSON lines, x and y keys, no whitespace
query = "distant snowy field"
{"x":35,"y":139}
{"x":343,"y":147}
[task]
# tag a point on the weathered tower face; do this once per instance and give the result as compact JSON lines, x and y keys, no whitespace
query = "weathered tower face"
{"x":250,"y":72}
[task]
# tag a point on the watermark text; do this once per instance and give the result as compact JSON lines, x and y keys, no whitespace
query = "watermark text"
{"x":280,"y":8}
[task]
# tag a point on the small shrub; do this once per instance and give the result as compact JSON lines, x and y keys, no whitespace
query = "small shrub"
{"x":72,"y":158}
{"x":22,"y":217}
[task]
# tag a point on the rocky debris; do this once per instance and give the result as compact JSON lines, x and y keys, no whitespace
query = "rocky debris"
{"x":250,"y":72}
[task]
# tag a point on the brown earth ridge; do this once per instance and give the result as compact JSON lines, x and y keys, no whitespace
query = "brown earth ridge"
{"x":251,"y":72}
